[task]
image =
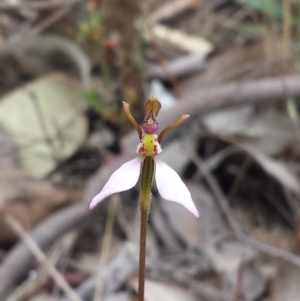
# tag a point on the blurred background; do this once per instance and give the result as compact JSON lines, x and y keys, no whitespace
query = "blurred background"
{"x":65,"y":68}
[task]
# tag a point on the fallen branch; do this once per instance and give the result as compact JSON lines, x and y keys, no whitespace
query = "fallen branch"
{"x":116,"y":273}
{"x":22,"y":35}
{"x":38,"y":5}
{"x":172,"y":9}
{"x":233,"y":223}
{"x":181,"y":277}
{"x":180,"y":67}
{"x":42,"y":258}
{"x":18,"y":261}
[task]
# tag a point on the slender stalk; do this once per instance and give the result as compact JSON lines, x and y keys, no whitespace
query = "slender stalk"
{"x":142,"y":259}
{"x":105,"y":247}
{"x":147,"y":173}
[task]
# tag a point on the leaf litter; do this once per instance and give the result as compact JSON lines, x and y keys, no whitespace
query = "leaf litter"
{"x":250,"y":152}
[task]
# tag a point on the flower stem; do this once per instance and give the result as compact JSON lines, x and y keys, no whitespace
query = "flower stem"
{"x":142,"y":259}
{"x":147,"y":173}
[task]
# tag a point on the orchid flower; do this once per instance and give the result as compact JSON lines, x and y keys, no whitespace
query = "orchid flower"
{"x":147,"y":164}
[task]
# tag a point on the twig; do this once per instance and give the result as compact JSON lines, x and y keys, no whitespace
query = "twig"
{"x":183,"y":278}
{"x":239,"y":294}
{"x":220,"y":197}
{"x":41,"y":257}
{"x":40,"y":5}
{"x":170,"y":10}
{"x":20,"y":258}
{"x":30,"y":286}
{"x":105,"y":247}
{"x":180,"y":67}
{"x":239,"y":178}
{"x":61,"y":252}
{"x":117,"y":272}
{"x":169,"y":75}
{"x":49,"y":21}
{"x":223,"y":203}
{"x":44,"y":24}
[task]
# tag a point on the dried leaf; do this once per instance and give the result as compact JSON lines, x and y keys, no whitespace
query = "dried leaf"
{"x":46,"y":121}
{"x":180,"y":39}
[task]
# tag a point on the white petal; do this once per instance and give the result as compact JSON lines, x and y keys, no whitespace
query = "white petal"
{"x":172,"y":188}
{"x":122,"y":179}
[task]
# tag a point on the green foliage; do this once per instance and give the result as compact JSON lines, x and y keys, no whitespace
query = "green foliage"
{"x":91,"y":28}
{"x":255,"y":30}
{"x":275,"y":16}
{"x":97,"y":103}
{"x":271,"y":8}
{"x":93,"y":100}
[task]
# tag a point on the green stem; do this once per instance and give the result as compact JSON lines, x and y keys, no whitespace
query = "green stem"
{"x":142,"y":259}
{"x":147,"y":173}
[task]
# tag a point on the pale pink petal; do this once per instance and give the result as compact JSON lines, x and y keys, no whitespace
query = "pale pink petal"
{"x":122,"y":179}
{"x":171,"y":187}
